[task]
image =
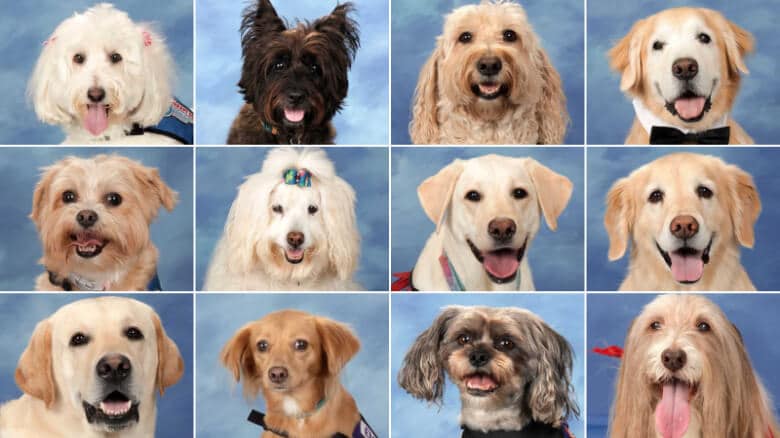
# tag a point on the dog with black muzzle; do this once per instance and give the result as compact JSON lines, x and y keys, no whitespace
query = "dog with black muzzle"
{"x":91,"y":370}
{"x":487,"y":212}
{"x":513,"y":371}
{"x":294,"y":78}
{"x":682,"y":69}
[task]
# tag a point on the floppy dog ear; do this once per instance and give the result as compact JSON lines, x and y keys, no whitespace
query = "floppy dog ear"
{"x":42,"y":190}
{"x":152,"y":182}
{"x":237,"y":358}
{"x":170,"y":365}
{"x":339,"y":344}
{"x":435,"y":193}
{"x":551,"y":111}
{"x":626,"y":58}
{"x":246,"y":221}
{"x":342,"y":229}
{"x":259,"y":21}
{"x":46,"y":82}
{"x":422,"y":372}
{"x":550,"y":394}
{"x":553,"y":189}
{"x":745,"y":206}
{"x":737,"y":40}
{"x":34,"y":373}
{"x":157,"y":68}
{"x":629,"y":412}
{"x":424,"y":127}
{"x":618,"y":218}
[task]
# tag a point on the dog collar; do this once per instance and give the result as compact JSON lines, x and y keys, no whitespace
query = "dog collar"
{"x":273,"y":130}
{"x":80,"y":283}
{"x":177,"y":123}
{"x":648,"y":120}
{"x":531,"y":430}
{"x":403,"y":282}
{"x":453,"y":280}
{"x":361,"y":430}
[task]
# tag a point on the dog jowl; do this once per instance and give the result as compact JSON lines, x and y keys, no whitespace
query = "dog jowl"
{"x":294,"y":77}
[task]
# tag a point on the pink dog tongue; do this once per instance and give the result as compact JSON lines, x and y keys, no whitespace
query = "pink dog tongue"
{"x":689,"y":108}
{"x":686,"y":269}
{"x":294,"y":115}
{"x":97,"y":119}
{"x":482,"y":383}
{"x":502,"y":263}
{"x":673,"y":414}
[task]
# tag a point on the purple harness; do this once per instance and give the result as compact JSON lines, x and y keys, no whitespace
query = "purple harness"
{"x":361,"y":430}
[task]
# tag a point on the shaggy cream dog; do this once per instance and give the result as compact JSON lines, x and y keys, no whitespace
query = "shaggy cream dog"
{"x":685,"y":373}
{"x":686,"y":216}
{"x":489,"y":82}
{"x":101,"y":77}
{"x":487,"y":211}
{"x":682,"y":67}
{"x":291,"y":227}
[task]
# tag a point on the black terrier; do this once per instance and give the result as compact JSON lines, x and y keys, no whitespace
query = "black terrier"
{"x":294,"y":79}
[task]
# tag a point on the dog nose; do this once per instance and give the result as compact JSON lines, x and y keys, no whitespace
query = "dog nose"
{"x":489,"y":66}
{"x":278,"y":375}
{"x":295,"y":97}
{"x":685,"y":69}
{"x":96,"y":94}
{"x":86,"y":218}
{"x":673,"y":360}
{"x":114,"y":368}
{"x":684,"y":227}
{"x":295,"y":238}
{"x":479,"y":357}
{"x":502,"y":229}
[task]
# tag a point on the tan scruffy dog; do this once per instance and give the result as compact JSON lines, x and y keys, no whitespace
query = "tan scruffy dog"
{"x":93,"y":217}
{"x":489,"y":82}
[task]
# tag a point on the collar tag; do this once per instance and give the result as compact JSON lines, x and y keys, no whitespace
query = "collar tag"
{"x":85,"y":284}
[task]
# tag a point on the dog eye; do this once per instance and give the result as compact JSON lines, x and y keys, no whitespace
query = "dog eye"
{"x":704,"y":192}
{"x":262,"y":346}
{"x":464,"y":339}
{"x":505,"y":344}
{"x":79,"y":339}
{"x":315,"y":68}
{"x":473,"y":196}
{"x":313,"y":209}
{"x":116,"y":58}
{"x":68,"y":197}
{"x":300,"y":345}
{"x":656,"y":197}
{"x":134,"y":333}
{"x":519,"y":193}
{"x":703,"y":38}
{"x":277,"y":209}
{"x":703,"y":327}
{"x":279,"y":66}
{"x":78,"y":58}
{"x":114,"y":199}
{"x":465,"y":37}
{"x":510,"y":36}
{"x":658,"y":45}
{"x":655,"y":325}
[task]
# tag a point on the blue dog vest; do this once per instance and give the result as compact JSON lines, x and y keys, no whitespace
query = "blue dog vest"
{"x":177,"y":124}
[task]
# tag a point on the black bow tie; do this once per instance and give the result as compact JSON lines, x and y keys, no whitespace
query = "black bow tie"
{"x":665,"y":135}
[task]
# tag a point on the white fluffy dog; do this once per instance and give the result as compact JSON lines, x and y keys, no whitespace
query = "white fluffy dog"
{"x":102,"y":77}
{"x":291,"y":227}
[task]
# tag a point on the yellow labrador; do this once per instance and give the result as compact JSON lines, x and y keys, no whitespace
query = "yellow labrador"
{"x":682,"y":67}
{"x":685,"y":216}
{"x":91,"y":370}
{"x":487,"y":211}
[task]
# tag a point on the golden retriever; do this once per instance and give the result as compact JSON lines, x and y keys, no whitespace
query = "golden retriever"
{"x":295,"y":359}
{"x":489,"y":81}
{"x":487,"y":211}
{"x":685,"y":215}
{"x":682,"y":69}
{"x":91,"y":370}
{"x":685,"y":373}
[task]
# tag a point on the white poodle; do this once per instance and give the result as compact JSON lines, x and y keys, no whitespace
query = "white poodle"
{"x":291,"y":227}
{"x":104,"y":79}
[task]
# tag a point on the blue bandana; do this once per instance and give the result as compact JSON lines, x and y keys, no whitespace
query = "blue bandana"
{"x":297,"y":177}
